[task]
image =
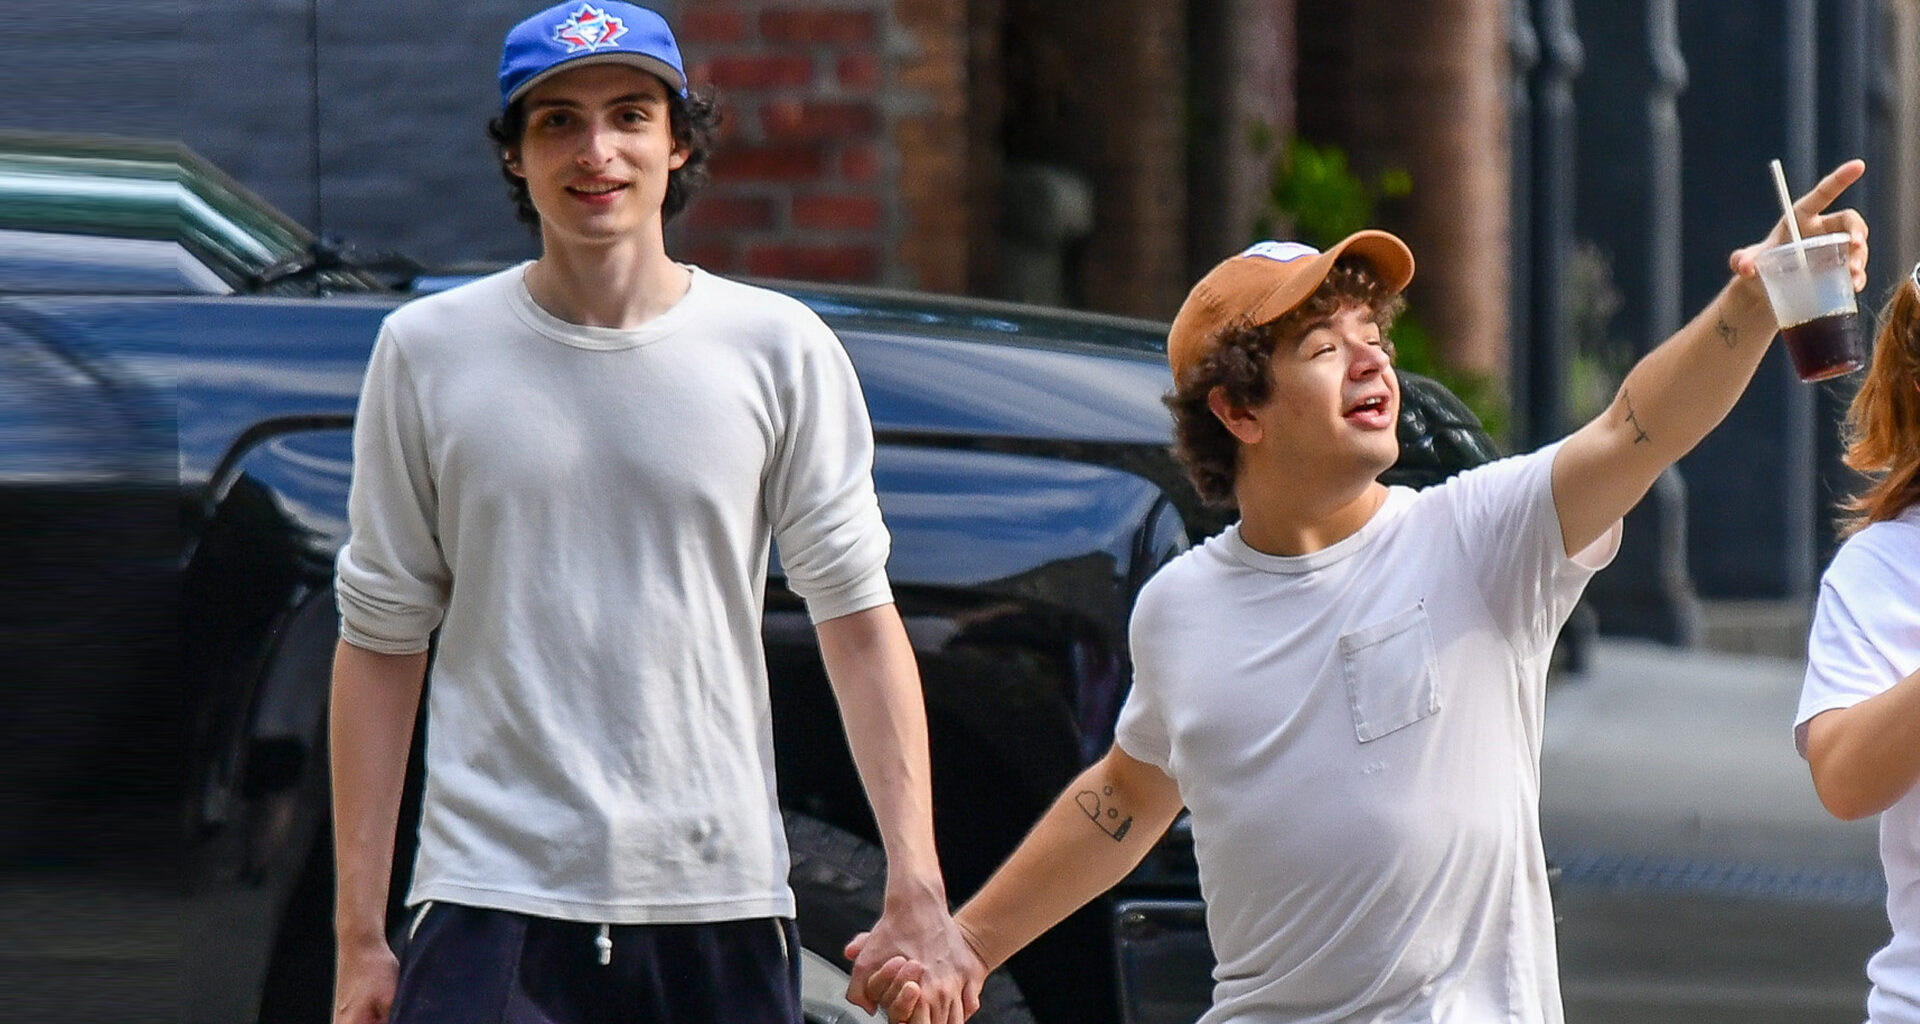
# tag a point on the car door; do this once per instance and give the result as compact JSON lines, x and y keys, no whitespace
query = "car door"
{"x":89,"y":780}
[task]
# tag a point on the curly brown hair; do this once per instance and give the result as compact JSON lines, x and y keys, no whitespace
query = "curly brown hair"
{"x":1883,"y":423}
{"x":1237,"y":362}
{"x":694,"y":120}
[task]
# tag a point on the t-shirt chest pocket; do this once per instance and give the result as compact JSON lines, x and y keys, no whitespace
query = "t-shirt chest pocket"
{"x":1390,"y":673}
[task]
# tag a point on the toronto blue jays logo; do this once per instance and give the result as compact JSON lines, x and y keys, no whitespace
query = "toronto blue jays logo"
{"x":589,"y":28}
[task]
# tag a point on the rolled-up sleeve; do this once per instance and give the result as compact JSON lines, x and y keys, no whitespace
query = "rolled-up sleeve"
{"x":391,"y":577}
{"x":820,"y":496}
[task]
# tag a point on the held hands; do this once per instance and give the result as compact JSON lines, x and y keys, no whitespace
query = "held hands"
{"x":1809,"y":212}
{"x":887,"y":979}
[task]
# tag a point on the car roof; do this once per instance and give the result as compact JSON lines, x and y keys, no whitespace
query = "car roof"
{"x":886,"y":310}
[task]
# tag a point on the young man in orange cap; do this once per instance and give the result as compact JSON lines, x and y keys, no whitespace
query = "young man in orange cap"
{"x":1346,"y":687}
{"x":569,"y":472}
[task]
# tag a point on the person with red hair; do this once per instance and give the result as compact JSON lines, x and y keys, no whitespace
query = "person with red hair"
{"x":1861,"y":701}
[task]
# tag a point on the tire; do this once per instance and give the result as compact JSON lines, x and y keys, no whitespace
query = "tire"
{"x":839,"y":885}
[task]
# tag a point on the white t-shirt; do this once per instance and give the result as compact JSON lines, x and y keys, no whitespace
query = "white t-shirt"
{"x":1865,"y":638}
{"x":1356,"y":733}
{"x":584,"y":514}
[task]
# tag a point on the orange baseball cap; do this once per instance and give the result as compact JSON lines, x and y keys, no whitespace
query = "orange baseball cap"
{"x":1266,"y":281}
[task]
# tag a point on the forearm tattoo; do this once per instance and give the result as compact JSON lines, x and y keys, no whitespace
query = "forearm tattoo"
{"x":1729,"y":335}
{"x":1110,"y":819}
{"x":1633,"y":420}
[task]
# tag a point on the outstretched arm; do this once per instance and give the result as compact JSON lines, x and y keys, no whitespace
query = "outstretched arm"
{"x":1096,"y":832}
{"x":1683,"y":389}
{"x":877,"y":683}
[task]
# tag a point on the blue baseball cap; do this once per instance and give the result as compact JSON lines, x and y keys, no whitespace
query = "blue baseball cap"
{"x":570,"y":34}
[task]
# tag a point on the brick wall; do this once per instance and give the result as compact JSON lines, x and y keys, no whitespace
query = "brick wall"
{"x":930,"y":136}
{"x":842,"y":144}
{"x":840,"y":160}
{"x":863,"y":143}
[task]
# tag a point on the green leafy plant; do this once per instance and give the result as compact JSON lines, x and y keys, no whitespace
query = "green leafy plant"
{"x":1318,"y":194}
{"x":1318,"y":198}
{"x":1601,"y":357}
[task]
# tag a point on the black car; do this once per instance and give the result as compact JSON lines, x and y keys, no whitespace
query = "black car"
{"x":181,"y":365}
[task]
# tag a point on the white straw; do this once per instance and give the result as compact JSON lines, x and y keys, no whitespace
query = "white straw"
{"x":1786,"y":206}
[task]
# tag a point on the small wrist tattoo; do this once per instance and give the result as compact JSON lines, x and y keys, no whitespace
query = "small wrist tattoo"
{"x":1729,"y":335}
{"x":1109,"y":819}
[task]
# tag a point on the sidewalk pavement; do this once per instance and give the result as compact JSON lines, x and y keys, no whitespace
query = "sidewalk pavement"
{"x":1688,"y":752}
{"x":1701,"y":881}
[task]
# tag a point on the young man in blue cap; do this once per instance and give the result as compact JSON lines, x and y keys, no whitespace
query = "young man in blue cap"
{"x":571,"y":471}
{"x":1346,"y":687}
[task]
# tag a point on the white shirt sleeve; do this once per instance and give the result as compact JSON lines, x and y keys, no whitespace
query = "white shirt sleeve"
{"x":1866,"y":627}
{"x":391,"y":577}
{"x":820,"y":496}
{"x":1511,"y":527}
{"x":1141,"y":730}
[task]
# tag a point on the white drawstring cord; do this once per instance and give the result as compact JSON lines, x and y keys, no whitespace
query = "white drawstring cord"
{"x":604,"y":941}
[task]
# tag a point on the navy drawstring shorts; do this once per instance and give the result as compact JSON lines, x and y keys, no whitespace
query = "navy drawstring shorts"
{"x":465,"y":965}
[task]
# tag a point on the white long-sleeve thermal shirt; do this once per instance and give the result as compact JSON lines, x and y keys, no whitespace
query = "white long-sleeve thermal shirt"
{"x":584,"y":515}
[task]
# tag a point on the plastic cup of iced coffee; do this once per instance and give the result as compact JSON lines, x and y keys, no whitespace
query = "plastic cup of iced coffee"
{"x":1811,"y":290}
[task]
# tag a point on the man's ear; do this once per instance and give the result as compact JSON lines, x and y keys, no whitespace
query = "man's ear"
{"x":678,"y":158}
{"x":511,"y":159}
{"x":1237,"y":419}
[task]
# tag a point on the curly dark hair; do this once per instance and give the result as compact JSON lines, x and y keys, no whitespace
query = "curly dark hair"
{"x":1237,"y":361}
{"x":694,"y":120}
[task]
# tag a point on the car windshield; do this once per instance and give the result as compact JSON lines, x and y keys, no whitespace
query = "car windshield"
{"x":153,"y":191}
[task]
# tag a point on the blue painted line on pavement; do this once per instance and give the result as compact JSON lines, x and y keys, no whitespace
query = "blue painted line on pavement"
{"x":1835,"y":885}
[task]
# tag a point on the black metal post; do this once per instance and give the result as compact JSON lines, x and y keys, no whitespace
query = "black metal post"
{"x":1523,"y":53}
{"x":1849,"y":66}
{"x":1629,"y":210}
{"x":1751,"y":98}
{"x":1553,"y":211}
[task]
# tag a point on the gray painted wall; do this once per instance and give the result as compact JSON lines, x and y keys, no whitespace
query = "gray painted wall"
{"x":397,"y":157}
{"x":67,"y":66}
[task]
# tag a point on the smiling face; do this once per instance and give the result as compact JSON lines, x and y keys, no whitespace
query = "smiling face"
{"x":596,"y":153}
{"x":1334,"y":404}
